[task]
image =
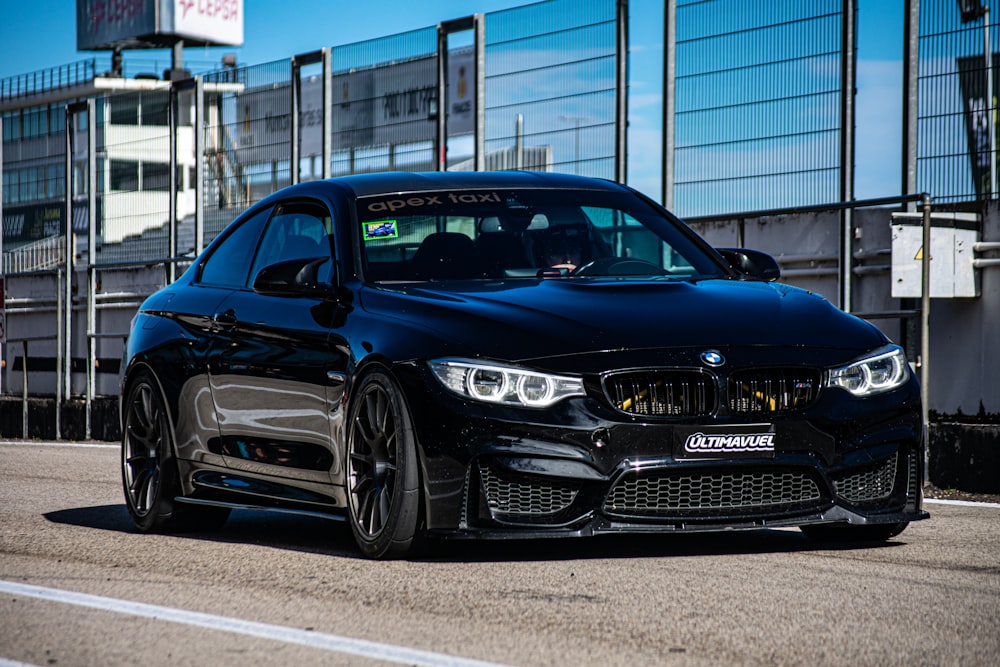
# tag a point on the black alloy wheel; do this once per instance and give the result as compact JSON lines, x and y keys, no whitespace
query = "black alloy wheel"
{"x":149,"y":470}
{"x":382,"y":477}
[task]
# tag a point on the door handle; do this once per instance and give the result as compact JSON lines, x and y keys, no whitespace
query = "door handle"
{"x":224,"y":320}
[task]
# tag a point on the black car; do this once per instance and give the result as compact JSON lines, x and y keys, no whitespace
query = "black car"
{"x":507,"y":355}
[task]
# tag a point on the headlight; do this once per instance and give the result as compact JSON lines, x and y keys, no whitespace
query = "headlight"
{"x":509,"y":385}
{"x":884,"y":371}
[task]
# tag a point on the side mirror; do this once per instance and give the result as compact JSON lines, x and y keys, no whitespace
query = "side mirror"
{"x":294,"y":277}
{"x":752,"y":263}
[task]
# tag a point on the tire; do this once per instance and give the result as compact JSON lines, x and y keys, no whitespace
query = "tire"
{"x":383,"y":481}
{"x":846,"y":533}
{"x":150,"y":478}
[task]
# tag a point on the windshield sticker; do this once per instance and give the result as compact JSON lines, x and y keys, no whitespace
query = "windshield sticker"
{"x":440,"y":199}
{"x":380,"y":229}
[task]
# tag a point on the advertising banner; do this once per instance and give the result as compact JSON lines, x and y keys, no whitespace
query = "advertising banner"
{"x":972,"y":81}
{"x":384,"y":105}
{"x":33,"y":222}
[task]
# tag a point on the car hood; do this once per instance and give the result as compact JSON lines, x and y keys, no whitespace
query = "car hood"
{"x":525,"y":320}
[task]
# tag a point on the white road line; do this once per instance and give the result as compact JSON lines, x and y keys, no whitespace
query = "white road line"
{"x":962,"y":503}
{"x":11,"y":663}
{"x":56,"y":443}
{"x":358,"y":647}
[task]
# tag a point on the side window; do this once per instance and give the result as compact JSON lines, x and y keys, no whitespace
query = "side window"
{"x":228,"y":264}
{"x":298,"y":230}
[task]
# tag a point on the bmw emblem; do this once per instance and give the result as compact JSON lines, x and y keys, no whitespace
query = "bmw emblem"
{"x":713,"y":358}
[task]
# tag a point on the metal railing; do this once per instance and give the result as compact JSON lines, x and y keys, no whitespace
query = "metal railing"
{"x":33,"y":305}
{"x":52,"y":78}
{"x":24,"y":380}
{"x":39,"y":255}
{"x":107,"y":301}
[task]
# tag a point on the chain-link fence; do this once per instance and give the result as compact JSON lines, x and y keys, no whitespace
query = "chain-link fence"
{"x":157,"y":168}
{"x":247,"y":144}
{"x":384,"y":104}
{"x":531,"y":123}
{"x":957,"y":122}
{"x":758,"y":105}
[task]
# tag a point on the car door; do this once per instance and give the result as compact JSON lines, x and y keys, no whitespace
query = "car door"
{"x":274,"y":376}
{"x":193,"y":306}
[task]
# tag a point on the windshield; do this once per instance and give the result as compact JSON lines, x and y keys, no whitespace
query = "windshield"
{"x":530,"y":233}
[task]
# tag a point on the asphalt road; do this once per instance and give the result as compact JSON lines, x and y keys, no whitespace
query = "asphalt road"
{"x":282,"y":590}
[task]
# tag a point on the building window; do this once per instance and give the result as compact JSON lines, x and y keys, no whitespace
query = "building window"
{"x":124,"y":175}
{"x":154,"y":109}
{"x":155,"y":176}
{"x":124,"y":111}
{"x":11,"y":185}
{"x":34,"y":125}
{"x":57,"y":119}
{"x":12,"y":126}
{"x":56,"y":181}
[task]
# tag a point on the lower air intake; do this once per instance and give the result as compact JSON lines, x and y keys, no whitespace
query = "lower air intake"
{"x":874,"y":483}
{"x":525,"y":498}
{"x":693,"y":493}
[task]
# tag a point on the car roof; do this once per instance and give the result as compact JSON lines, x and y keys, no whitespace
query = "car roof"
{"x":362,"y":185}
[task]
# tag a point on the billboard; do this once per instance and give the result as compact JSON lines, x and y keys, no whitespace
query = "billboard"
{"x":109,"y":24}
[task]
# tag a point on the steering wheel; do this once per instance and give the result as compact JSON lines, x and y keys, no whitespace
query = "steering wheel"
{"x":619,"y":266}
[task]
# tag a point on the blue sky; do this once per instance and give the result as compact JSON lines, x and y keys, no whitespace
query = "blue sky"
{"x":41,"y":34}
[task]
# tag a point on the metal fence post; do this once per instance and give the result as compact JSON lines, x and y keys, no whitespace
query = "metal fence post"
{"x":479,"y":25}
{"x":323,"y":57}
{"x":911,"y":73}
{"x":60,"y":333}
{"x":621,"y":91}
{"x":327,"y":58}
{"x":293,"y":123}
{"x":441,"y":147}
{"x":199,"y":164}
{"x":91,"y":255}
{"x":847,"y":84}
{"x":990,"y":110}
{"x":24,"y":391}
{"x":925,"y":321}
{"x":669,"y":99}
{"x":173,"y":100}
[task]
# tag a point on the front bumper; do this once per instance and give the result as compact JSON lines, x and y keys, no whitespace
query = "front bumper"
{"x":584,"y":469}
{"x":504,"y":499}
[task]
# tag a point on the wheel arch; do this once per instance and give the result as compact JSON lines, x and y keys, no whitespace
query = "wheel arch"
{"x":135,"y":370}
{"x":377,"y":362}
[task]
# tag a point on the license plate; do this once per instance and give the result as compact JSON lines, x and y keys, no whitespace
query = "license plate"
{"x":746,"y":441}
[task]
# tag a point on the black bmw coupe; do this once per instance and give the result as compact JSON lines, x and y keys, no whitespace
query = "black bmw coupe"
{"x":507,"y":355}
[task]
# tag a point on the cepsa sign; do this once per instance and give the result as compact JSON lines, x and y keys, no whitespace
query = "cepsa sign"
{"x":105,"y":24}
{"x":218,"y":21}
